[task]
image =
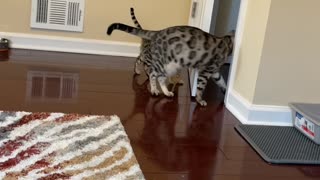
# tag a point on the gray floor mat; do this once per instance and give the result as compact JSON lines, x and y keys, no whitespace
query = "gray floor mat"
{"x":280,"y":145}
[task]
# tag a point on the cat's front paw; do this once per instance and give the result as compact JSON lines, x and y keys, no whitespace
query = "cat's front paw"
{"x":201,"y":102}
{"x":169,"y":94}
{"x":155,"y":92}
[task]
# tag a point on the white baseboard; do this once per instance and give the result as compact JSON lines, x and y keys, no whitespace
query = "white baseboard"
{"x":72,"y":45}
{"x":248,"y":113}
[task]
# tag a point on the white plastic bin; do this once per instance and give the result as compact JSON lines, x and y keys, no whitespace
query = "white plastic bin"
{"x":306,"y":118}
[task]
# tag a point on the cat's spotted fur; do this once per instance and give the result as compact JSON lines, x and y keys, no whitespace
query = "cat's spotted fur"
{"x":182,"y":46}
{"x":145,"y":53}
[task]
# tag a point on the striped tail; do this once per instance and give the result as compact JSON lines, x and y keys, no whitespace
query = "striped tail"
{"x":145,"y":34}
{"x":134,"y":19}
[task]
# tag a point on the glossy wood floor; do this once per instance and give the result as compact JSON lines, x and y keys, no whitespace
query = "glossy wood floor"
{"x":172,"y":138}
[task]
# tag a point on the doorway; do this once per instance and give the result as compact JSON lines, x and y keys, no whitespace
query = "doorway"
{"x":224,"y":18}
{"x":218,"y":17}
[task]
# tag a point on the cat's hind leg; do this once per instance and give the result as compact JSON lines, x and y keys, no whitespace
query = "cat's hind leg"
{"x":162,"y":82}
{"x":137,"y":64}
{"x":153,"y":82}
{"x":202,"y":81}
{"x":220,"y":82}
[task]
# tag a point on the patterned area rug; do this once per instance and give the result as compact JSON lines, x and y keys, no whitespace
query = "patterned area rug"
{"x":49,"y":146}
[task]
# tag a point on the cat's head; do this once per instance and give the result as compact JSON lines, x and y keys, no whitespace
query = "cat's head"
{"x":230,"y":36}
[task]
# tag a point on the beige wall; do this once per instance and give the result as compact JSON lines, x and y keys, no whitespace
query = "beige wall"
{"x":289,"y":68}
{"x":278,"y":60}
{"x":153,"y":14}
{"x":251,"y":47}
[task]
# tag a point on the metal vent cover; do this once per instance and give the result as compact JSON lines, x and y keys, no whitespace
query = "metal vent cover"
{"x":66,"y":15}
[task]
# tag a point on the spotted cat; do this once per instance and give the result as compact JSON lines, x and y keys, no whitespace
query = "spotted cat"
{"x":177,"y":47}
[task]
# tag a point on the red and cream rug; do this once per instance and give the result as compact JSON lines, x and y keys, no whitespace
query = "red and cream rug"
{"x":54,"y":146}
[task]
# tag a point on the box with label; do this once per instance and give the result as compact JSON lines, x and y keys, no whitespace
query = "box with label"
{"x":306,"y":118}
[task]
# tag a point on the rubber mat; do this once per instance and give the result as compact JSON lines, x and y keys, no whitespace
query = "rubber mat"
{"x":280,"y":145}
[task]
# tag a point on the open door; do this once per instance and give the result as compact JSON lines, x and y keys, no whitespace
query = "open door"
{"x":200,"y":16}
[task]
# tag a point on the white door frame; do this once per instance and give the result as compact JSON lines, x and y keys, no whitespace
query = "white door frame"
{"x":203,"y":21}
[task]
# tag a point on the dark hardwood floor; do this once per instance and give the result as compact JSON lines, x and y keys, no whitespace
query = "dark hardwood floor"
{"x":173,"y":139}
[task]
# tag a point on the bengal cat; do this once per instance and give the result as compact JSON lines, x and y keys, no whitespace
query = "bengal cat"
{"x":179,"y":47}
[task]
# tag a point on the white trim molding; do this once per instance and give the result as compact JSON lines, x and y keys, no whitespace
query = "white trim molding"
{"x":241,"y":108}
{"x":248,"y":113}
{"x":237,"y":46}
{"x":71,"y":45}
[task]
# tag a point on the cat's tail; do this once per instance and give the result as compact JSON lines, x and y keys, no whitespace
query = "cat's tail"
{"x":145,"y":34}
{"x":134,"y":19}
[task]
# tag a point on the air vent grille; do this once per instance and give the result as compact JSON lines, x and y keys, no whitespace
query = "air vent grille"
{"x":64,"y":15}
